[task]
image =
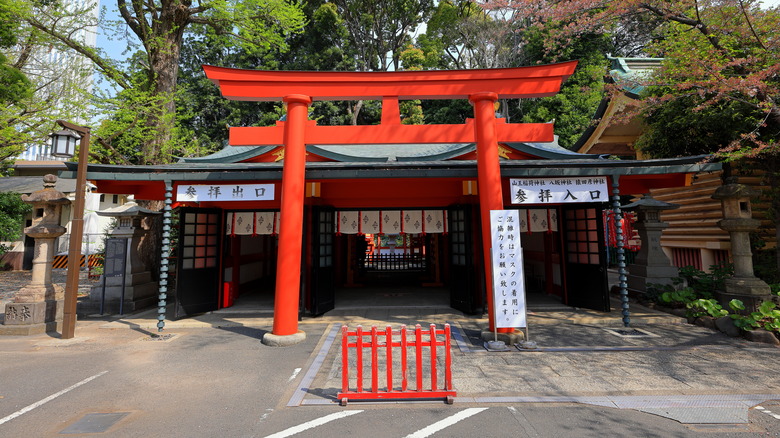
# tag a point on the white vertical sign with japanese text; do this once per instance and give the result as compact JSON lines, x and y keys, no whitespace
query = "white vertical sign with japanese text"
{"x":560,"y":190}
{"x":224,"y":192}
{"x":508,"y":280}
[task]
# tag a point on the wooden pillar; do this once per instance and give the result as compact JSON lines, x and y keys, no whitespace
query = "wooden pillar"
{"x":488,"y":181}
{"x":288,"y":269}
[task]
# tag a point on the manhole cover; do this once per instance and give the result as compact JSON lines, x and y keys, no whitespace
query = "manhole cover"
{"x":94,"y":423}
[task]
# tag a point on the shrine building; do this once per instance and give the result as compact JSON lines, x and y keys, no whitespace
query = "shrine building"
{"x":295,"y":212}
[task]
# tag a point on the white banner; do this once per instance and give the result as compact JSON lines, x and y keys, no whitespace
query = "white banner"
{"x":507,"y":266}
{"x":224,"y":192}
{"x":435,"y":221}
{"x":267,"y":222}
{"x":413,"y":222}
{"x":249,"y":223}
{"x":538,"y":220}
{"x":370,"y":222}
{"x":561,"y":190}
{"x":348,"y":222}
{"x":391,"y":222}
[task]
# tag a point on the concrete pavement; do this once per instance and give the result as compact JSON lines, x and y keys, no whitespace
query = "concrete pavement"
{"x":659,"y":365}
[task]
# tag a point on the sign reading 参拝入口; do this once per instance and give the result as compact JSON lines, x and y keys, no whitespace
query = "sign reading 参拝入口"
{"x":507,"y":254}
{"x":559,"y":190}
{"x":224,"y":192}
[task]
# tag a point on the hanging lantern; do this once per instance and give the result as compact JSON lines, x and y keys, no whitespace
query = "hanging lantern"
{"x":63,"y":143}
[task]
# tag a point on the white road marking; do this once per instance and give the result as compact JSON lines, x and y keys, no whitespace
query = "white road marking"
{"x":48,"y":399}
{"x":267,"y":413}
{"x":768,"y":412}
{"x":294,"y":374}
{"x":447,"y":422}
{"x":314,"y":423}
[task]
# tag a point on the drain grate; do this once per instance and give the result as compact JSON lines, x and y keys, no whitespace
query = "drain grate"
{"x":94,"y":423}
{"x":719,"y":428}
{"x":159,"y":338}
{"x":630,"y":333}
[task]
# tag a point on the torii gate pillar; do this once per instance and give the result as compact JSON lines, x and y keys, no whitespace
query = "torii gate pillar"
{"x":488,"y":181}
{"x":288,"y":269}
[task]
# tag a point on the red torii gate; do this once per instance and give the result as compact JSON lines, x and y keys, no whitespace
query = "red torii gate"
{"x":298,"y":89}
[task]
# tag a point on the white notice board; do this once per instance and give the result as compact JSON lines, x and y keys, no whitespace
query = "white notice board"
{"x":508,"y":279}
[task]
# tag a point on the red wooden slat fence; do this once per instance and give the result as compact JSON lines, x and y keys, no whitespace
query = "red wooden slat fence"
{"x":391,"y":341}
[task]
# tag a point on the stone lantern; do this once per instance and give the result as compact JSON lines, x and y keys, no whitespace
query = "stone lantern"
{"x":738,"y":221}
{"x":133,"y":288}
{"x":651,"y":265}
{"x":38,"y":307}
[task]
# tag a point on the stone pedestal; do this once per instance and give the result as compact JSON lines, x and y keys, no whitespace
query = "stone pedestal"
{"x":651,"y":264}
{"x":38,"y":307}
{"x":738,"y":221}
{"x":140,"y":290}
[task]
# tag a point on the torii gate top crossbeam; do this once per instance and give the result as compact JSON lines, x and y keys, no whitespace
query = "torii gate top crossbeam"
{"x":261,"y":85}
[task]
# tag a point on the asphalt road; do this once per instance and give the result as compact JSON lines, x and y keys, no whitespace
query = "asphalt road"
{"x":225,"y":383}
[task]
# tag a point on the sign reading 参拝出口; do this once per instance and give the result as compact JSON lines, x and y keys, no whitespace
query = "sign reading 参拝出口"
{"x":508,"y":285}
{"x":224,"y":192}
{"x":559,"y":190}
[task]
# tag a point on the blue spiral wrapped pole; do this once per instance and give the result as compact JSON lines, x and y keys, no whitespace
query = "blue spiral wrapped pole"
{"x":165,"y":254}
{"x":621,"y":253}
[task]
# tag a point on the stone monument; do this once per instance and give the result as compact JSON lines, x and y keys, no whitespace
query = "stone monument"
{"x":38,"y":307}
{"x":651,"y":264}
{"x":738,"y":221}
{"x":135,"y":284}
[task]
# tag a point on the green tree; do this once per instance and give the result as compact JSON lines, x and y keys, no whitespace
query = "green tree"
{"x":716,"y":53}
{"x":720,"y":78}
{"x":12,"y":214}
{"x":463,"y":35}
{"x":160,"y":26}
{"x":572,"y":109}
{"x":205,"y":116}
{"x":14,"y":85}
{"x":378,"y":32}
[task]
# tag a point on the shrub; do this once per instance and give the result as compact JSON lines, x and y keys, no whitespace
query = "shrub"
{"x":767,"y":316}
{"x":702,"y":307}
{"x":707,"y":283}
{"x":677,"y":297}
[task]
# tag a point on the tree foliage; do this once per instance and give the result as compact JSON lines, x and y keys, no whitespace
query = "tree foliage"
{"x":12,"y":214}
{"x":463,"y":35}
{"x":380,"y":31}
{"x":717,"y":54}
{"x":144,"y":112}
{"x":15,"y":87}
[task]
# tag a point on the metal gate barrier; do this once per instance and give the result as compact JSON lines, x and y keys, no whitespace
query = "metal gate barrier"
{"x":393,"y":342}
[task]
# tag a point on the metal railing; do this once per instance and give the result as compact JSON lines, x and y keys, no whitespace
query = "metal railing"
{"x":395,"y":262}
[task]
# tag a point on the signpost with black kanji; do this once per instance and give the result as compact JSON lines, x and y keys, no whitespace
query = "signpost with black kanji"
{"x":114,"y":265}
{"x":508,"y":280}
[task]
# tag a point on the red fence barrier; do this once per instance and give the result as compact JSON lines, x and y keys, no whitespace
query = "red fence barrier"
{"x":388,"y":341}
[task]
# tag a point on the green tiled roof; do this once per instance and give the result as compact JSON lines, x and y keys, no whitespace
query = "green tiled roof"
{"x":631,"y":73}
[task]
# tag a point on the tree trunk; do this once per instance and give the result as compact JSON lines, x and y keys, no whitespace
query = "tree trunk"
{"x":149,"y":249}
{"x":164,"y":54}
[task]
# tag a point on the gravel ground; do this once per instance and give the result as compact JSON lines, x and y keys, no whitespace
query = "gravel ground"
{"x":12,"y":281}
